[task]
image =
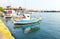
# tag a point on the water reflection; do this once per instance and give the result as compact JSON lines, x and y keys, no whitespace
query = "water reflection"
{"x":6,"y":19}
{"x":28,"y":28}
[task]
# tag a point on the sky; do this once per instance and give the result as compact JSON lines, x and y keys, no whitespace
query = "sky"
{"x":33,"y":4}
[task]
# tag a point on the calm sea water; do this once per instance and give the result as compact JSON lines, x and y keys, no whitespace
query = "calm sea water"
{"x":48,"y":28}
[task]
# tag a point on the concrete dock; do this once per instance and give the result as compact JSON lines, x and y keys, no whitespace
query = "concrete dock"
{"x":4,"y":31}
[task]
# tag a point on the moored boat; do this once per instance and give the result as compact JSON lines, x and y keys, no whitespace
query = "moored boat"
{"x":31,"y":21}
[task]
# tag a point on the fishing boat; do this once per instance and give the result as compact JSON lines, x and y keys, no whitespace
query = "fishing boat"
{"x":9,"y":13}
{"x":31,"y":21}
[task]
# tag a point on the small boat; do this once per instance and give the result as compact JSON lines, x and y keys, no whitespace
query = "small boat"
{"x":7,"y":17}
{"x":31,"y":21}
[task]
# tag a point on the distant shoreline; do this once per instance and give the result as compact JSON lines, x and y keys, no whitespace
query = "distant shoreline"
{"x":50,"y":11}
{"x":43,"y":11}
